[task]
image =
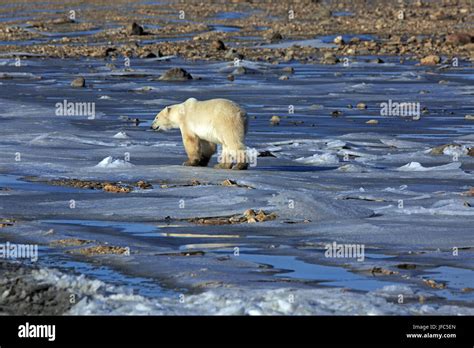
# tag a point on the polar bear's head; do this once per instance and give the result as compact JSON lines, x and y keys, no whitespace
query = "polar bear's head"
{"x":168,"y":118}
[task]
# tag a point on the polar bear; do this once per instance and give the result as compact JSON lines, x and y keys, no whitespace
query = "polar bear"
{"x":203,"y":125}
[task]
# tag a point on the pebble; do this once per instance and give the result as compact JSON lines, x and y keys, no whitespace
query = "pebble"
{"x":275,"y":120}
{"x":135,"y":29}
{"x":430,"y":60}
{"x":338,"y":40}
{"x":218,"y":45}
{"x":78,"y":82}
{"x":176,"y":74}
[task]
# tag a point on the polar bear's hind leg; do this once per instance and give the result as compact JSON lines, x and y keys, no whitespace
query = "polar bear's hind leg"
{"x":241,"y":161}
{"x":225,"y":159}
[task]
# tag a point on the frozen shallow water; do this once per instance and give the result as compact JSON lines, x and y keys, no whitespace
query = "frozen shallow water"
{"x":333,"y":179}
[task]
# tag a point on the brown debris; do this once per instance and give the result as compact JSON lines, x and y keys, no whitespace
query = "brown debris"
{"x":6,"y":222}
{"x":233,"y":183}
{"x":116,"y":188}
{"x":249,"y":216}
{"x":144,"y":185}
{"x":383,"y":271}
{"x":106,"y":186}
{"x":228,"y":182}
{"x":102,"y":250}
{"x":433,"y":284}
{"x":69,"y":242}
{"x":470,"y":192}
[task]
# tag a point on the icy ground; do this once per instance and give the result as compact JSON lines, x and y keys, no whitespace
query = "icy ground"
{"x":332,"y":179}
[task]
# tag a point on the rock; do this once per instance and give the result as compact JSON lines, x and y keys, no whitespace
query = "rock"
{"x":275,"y":120}
{"x":116,"y":188}
{"x":230,"y":77}
{"x":276,"y":36}
{"x":288,"y":69}
{"x":251,"y":216}
{"x":61,"y":21}
{"x":372,"y":122}
{"x":430,"y":60}
{"x":218,"y":45}
{"x":109,"y":51}
{"x":330,"y":58}
{"x":376,"y":61}
{"x":176,"y":74}
{"x":433,"y":284}
{"x":240,"y":71}
{"x":354,"y":41}
{"x":265,"y":153}
{"x":338,"y":40}
{"x":232,"y":54}
{"x":102,"y":250}
{"x":135,"y":29}
{"x":150,"y":54}
{"x":78,"y":82}
{"x":144,"y":185}
{"x":459,"y":39}
{"x":228,"y":182}
{"x":336,"y":113}
{"x":361,"y":106}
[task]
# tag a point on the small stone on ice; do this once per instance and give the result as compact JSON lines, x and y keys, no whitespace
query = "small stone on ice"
{"x":372,"y":122}
{"x":121,"y":135}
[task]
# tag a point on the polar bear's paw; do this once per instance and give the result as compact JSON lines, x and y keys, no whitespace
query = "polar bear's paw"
{"x":192,"y":163}
{"x":223,"y":166}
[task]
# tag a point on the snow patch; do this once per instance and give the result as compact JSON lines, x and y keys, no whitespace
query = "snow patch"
{"x":121,"y":135}
{"x":316,"y":159}
{"x":417,"y":167}
{"x":110,"y":162}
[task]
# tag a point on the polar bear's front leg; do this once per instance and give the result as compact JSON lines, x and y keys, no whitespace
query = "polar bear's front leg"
{"x":193,"y":149}
{"x":207,"y":150}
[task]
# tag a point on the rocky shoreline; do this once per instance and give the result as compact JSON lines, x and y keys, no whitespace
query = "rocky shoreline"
{"x":225,"y":31}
